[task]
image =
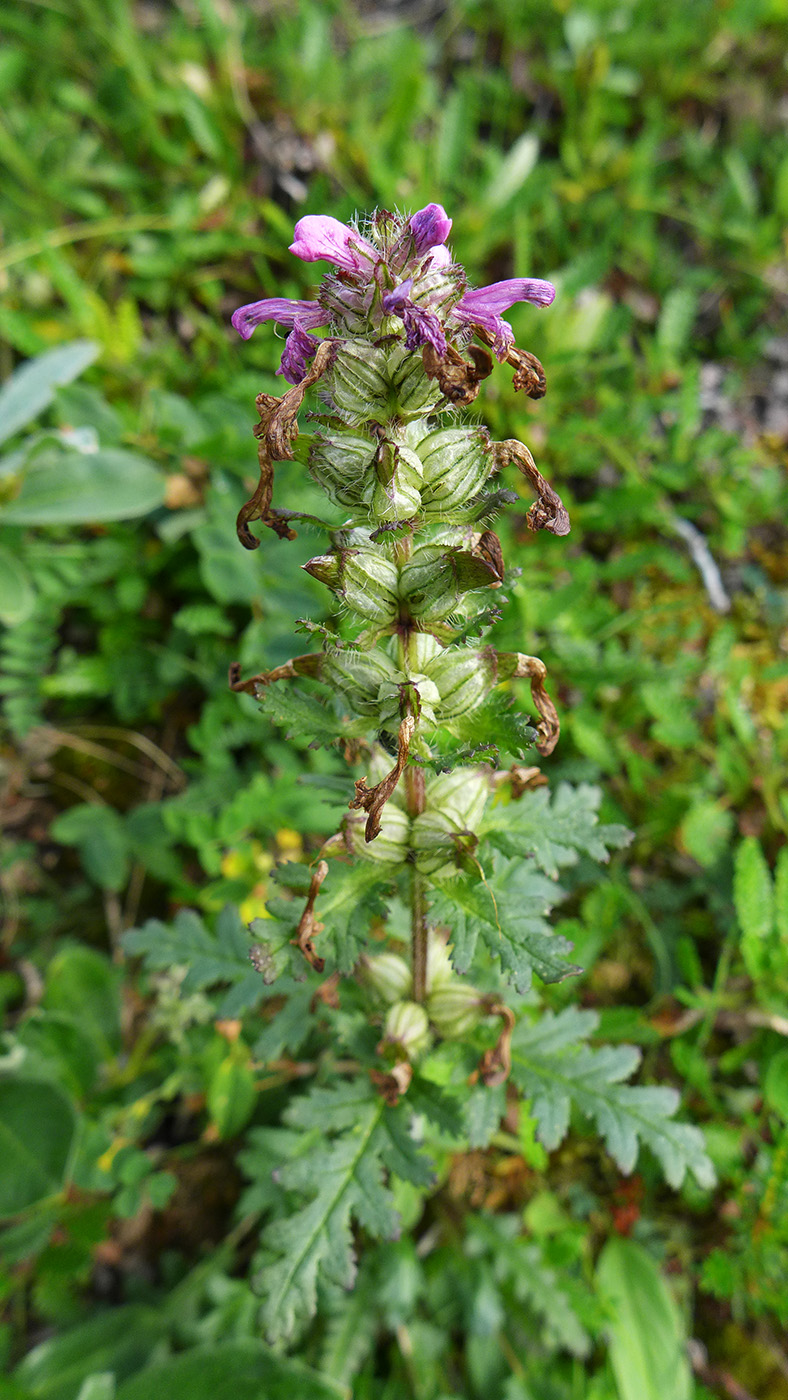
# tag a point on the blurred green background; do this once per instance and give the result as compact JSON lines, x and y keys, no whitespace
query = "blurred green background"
{"x":155,"y":158}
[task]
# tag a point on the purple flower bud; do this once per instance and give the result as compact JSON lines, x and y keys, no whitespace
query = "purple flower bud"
{"x":429,"y":226}
{"x":280,"y":309}
{"x":439,"y":257}
{"x":300,"y":346}
{"x":319,"y":236}
{"x":421,"y":326}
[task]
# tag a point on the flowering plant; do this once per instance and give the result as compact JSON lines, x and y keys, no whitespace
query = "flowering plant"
{"x":446,"y":859}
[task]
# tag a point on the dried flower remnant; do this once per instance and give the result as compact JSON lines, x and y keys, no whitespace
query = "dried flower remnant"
{"x":398,"y":342}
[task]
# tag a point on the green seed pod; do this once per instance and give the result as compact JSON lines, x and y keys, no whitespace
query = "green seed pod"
{"x":456,"y":463}
{"x":358,"y":676}
{"x":407,"y":1029}
{"x":435,"y":578}
{"x":439,"y":968}
{"x":460,"y":796}
{"x":358,"y":384}
{"x":387,"y":975}
{"x":342,"y":462}
{"x":455,"y":1008}
{"x":439,"y":844}
{"x":364,"y":579}
{"x":427,"y":584}
{"x":463,"y":678}
{"x":391,"y":846}
{"x":396,"y":493}
{"x":413,"y":393}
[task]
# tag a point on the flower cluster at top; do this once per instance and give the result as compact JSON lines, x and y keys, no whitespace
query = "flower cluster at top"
{"x":397,"y":277}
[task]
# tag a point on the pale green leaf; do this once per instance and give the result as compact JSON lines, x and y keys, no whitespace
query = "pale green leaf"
{"x":647,"y":1341}
{"x":557,"y":1070}
{"x":31,"y":388}
{"x":753,"y":894}
{"x":37,"y":1127}
{"x":79,"y":488}
{"x":17,"y":595}
{"x":243,"y":1369}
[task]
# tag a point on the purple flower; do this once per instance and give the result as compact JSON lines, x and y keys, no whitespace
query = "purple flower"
{"x":421,"y":326}
{"x":430,"y":226}
{"x":300,"y":346}
{"x":319,"y":236}
{"x":280,"y":309}
{"x":483,"y":306}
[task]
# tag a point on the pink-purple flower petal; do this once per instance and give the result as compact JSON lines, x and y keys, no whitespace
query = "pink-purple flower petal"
{"x":318,"y":236}
{"x":282,"y":310}
{"x":499,"y":296}
{"x":300,"y":346}
{"x":482,"y":307}
{"x":438,"y":257}
{"x":422,"y":327}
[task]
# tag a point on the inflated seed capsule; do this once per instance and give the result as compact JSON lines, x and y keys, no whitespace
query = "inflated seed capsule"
{"x":461,"y":795}
{"x":439,"y":844}
{"x":456,"y":463}
{"x":463,"y":679}
{"x":342,"y":462}
{"x":364,"y":579}
{"x":407,"y":1029}
{"x":358,"y":676}
{"x":413,"y":393}
{"x":358,"y":384}
{"x":396,"y":493}
{"x":391,"y":846}
{"x":388,"y":975}
{"x":455,"y":1008}
{"x":439,"y":968}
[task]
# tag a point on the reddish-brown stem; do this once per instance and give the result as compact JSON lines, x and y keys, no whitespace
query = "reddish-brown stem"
{"x":414,"y":790}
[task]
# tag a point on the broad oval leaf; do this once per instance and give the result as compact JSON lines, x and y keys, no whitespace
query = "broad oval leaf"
{"x":647,"y":1344}
{"x":17,"y":595}
{"x":228,"y":1370}
{"x":37,"y":1126}
{"x":120,"y":1341}
{"x":31,"y":388}
{"x":75,"y":488}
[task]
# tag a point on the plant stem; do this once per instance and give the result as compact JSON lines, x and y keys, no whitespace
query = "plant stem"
{"x":414,"y":788}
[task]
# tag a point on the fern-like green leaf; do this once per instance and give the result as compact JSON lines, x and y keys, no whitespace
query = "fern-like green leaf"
{"x":557,"y":1069}
{"x":339,"y":1167}
{"x":508,"y":912}
{"x":348,"y":900}
{"x":298,"y":714}
{"x":554,"y":832}
{"x":212,"y":959}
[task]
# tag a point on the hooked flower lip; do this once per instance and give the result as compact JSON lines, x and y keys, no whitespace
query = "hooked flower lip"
{"x":283,"y":310}
{"x":319,"y":236}
{"x":428,"y":316}
{"x":484,"y":305}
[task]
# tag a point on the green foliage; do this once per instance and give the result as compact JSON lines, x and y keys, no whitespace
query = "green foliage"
{"x":508,"y":914}
{"x":557,"y":1070}
{"x":338,"y":1161}
{"x":221,"y":957}
{"x":647,"y":1352}
{"x":152,"y":170}
{"x":38,"y":1127}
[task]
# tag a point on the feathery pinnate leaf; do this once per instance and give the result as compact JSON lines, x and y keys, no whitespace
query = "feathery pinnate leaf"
{"x":556,"y":1068}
